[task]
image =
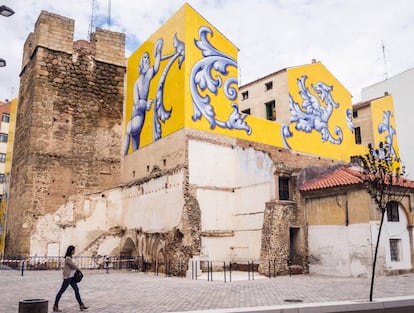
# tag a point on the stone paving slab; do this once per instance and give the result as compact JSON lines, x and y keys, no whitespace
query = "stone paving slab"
{"x":130,"y":292}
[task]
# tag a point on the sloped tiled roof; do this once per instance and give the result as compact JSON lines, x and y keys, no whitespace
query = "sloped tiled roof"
{"x":345,"y":176}
{"x":342,"y":176}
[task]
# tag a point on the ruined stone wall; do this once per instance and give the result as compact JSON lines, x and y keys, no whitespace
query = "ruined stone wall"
{"x":279,"y":217}
{"x":68,"y":128}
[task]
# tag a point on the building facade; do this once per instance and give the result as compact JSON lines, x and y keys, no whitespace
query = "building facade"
{"x":400,"y":87}
{"x":188,"y":170}
{"x":343,"y":225}
{"x":5,"y":108}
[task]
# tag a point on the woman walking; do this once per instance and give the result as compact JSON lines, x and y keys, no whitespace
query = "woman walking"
{"x":68,"y":273}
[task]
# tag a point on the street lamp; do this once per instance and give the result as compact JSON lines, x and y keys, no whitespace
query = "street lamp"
{"x":6,"y":11}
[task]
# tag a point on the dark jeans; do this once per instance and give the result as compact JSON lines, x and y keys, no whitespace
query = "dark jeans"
{"x":65,"y":285}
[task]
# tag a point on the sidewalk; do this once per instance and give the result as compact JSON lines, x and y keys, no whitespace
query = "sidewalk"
{"x":130,"y":292}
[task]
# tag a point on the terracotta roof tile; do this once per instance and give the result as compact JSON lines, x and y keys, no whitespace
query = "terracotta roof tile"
{"x":342,"y":176}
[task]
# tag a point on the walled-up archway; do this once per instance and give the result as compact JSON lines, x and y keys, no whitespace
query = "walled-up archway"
{"x":128,"y":249}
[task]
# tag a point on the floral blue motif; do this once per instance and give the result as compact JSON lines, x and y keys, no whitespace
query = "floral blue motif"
{"x":348,"y":117}
{"x":204,"y":76}
{"x":160,"y":112}
{"x":386,"y":127}
{"x":311,"y":114}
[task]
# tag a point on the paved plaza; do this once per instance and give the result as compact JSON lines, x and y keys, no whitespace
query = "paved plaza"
{"x":130,"y":292}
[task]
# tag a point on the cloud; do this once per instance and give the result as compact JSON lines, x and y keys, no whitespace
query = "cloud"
{"x":345,"y":36}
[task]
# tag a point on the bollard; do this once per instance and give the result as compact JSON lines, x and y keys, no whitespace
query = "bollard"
{"x":107,"y":261}
{"x":22,"y":267}
{"x":224,"y":270}
{"x":33,"y":306}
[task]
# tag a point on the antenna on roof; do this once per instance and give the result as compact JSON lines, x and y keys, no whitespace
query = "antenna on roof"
{"x":109,"y":14}
{"x":91,"y":23}
{"x":385,"y":60}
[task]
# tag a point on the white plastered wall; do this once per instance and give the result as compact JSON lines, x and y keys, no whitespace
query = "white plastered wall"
{"x":397,"y":230}
{"x":154,"y":206}
{"x":340,"y":250}
{"x":233,"y":184}
{"x":349,"y":250}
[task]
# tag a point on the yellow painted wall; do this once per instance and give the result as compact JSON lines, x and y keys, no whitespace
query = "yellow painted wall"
{"x":383,"y":121}
{"x":171,"y":90}
{"x":198,"y":93}
{"x":7,"y":168}
{"x":215,"y":68}
{"x":311,"y":137}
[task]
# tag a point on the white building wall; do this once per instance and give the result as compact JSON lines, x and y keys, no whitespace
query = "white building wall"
{"x":233,"y":184}
{"x":339,"y":250}
{"x":155,"y":206}
{"x":401,"y":89}
{"x":398,"y":230}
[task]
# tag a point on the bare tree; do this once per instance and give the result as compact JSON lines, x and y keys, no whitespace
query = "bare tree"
{"x":383,"y":177}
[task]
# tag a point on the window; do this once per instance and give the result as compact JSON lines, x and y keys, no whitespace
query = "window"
{"x":354,"y":114}
{"x":245,"y":95}
{"x":284,"y":188}
{"x":246,"y":111}
{"x":358,"y":135}
{"x":2,"y":178}
{"x":395,"y":250}
{"x":392,"y":212}
{"x":5,"y":117}
{"x":269,"y":86}
{"x":271,"y":110}
{"x":2,"y":157}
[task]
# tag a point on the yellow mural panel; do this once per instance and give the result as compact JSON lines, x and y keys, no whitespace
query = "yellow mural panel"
{"x":154,"y":105}
{"x":320,"y":114}
{"x":383,"y":121}
{"x":186,"y":76}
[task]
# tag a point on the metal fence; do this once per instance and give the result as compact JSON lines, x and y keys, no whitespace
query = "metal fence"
{"x":215,"y":270}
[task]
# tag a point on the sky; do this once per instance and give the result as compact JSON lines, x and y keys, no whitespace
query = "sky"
{"x":346,"y":36}
{"x":361,"y":42}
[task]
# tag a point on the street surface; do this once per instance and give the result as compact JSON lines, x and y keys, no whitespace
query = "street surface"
{"x":131,"y":292}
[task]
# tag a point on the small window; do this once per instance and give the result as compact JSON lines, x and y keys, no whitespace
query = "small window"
{"x":2,"y":157}
{"x":269,"y":86}
{"x":245,"y":95}
{"x":392,"y":212}
{"x":395,"y":250}
{"x":358,"y":135}
{"x":5,"y":117}
{"x":2,"y":178}
{"x":355,"y":114}
{"x":271,"y":110}
{"x":3,"y":137}
{"x":284,"y":188}
{"x":246,"y":111}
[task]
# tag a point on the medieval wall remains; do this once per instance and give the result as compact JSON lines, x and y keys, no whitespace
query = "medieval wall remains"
{"x":68,"y":129}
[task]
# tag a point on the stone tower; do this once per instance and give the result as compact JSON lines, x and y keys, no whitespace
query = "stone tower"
{"x":69,"y":122}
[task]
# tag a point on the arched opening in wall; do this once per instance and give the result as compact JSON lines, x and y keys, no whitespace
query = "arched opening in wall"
{"x":128,"y":249}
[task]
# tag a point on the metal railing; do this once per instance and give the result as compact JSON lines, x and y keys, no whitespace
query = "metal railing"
{"x":215,"y":270}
